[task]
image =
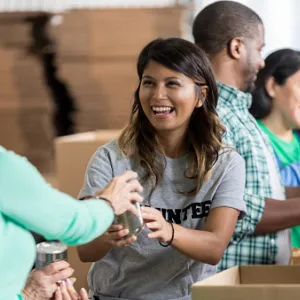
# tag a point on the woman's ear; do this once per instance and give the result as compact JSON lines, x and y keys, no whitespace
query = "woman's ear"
{"x":203,"y":95}
{"x":270,"y":86}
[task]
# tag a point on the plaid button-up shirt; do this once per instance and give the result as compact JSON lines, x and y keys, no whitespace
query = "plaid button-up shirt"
{"x":245,"y":136}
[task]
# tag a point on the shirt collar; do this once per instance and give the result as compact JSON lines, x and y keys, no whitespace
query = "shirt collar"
{"x":234,"y":97}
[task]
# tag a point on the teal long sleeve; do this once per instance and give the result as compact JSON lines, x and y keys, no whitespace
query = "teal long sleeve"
{"x":27,"y":202}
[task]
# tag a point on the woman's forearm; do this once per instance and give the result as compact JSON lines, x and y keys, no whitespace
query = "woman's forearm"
{"x":94,"y":250}
{"x":31,"y":202}
{"x":199,"y":245}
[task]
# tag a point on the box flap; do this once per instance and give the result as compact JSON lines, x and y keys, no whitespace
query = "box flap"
{"x":251,"y":282}
{"x":105,"y":134}
{"x":228,"y":277}
{"x":246,"y":292}
{"x":270,"y":275}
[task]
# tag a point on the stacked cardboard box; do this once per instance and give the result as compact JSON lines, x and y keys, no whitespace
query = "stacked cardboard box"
{"x":97,"y":56}
{"x":24,"y":101}
{"x":25,"y":106}
{"x":98,"y":53}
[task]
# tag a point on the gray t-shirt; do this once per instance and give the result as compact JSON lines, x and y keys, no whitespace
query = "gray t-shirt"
{"x":144,"y":270}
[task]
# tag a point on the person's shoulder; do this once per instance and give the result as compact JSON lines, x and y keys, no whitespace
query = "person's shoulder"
{"x":228,"y":162}
{"x":2,"y":150}
{"x":10,"y":156}
{"x":228,"y":117}
{"x":297,"y":134}
{"x":111,"y":150}
{"x":13,"y":165}
{"x":229,"y":156}
{"x":225,"y":113}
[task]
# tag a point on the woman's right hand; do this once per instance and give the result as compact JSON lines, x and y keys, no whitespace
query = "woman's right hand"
{"x":122,"y":192}
{"x":114,"y":236}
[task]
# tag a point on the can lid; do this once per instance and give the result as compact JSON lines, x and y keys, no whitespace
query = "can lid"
{"x":51,"y":247}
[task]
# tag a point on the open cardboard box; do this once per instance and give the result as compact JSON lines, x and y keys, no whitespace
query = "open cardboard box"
{"x":251,"y":283}
{"x":72,"y":154}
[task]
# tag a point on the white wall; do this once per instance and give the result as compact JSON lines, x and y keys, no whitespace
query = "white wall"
{"x":281,"y":19}
{"x":60,"y":5}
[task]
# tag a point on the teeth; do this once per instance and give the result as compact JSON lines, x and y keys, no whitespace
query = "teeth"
{"x":161,"y":109}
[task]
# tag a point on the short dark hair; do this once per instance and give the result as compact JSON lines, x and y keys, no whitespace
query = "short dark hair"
{"x":217,"y":24}
{"x":281,"y":64}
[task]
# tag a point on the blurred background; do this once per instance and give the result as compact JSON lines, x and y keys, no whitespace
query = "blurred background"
{"x":69,"y":66}
{"x":68,"y":74}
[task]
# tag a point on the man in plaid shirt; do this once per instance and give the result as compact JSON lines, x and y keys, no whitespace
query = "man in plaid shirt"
{"x":233,"y":37}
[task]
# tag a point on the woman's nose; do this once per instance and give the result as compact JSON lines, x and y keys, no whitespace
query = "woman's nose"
{"x":159,"y":92}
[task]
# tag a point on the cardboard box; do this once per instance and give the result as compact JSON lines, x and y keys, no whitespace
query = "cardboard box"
{"x":116,"y":32}
{"x":72,"y":156}
{"x":251,"y":282}
{"x":295,"y":256}
{"x":73,"y":153}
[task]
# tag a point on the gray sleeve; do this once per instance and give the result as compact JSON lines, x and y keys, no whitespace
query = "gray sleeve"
{"x":98,"y":173}
{"x":230,"y":192}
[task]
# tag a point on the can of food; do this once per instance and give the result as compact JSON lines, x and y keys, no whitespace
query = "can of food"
{"x":133,"y":223}
{"x":49,"y":252}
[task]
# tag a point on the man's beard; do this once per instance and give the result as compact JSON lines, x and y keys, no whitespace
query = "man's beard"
{"x":249,"y":86}
{"x":250,"y":73}
{"x":250,"y":78}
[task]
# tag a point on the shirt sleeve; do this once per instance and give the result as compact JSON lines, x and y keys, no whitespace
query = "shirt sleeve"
{"x":230,"y":192}
{"x":98,"y":173}
{"x":255,"y":204}
{"x":291,"y":174}
{"x":32,"y":203}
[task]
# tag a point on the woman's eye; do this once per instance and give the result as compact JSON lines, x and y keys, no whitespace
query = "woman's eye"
{"x":173,"y":83}
{"x":147,"y":82}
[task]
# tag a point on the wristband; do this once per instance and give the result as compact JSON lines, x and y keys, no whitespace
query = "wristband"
{"x":172,"y":238}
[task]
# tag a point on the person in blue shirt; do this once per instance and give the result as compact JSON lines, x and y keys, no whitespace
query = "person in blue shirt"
{"x":276,"y":107}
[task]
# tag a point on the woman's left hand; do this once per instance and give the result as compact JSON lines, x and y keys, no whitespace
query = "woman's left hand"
{"x":154,"y":220}
{"x":66,"y":291}
{"x":41,"y":284}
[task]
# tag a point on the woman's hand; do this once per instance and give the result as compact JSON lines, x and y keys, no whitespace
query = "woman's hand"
{"x":161,"y":229}
{"x":122,"y":191}
{"x":41,"y":284}
{"x":66,"y":291}
{"x":114,"y":236}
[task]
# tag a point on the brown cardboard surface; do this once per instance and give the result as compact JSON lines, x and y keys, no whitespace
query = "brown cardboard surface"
{"x":270,"y":275}
{"x":73,"y":153}
{"x":251,"y":282}
{"x":116,"y":32}
{"x":228,"y":277}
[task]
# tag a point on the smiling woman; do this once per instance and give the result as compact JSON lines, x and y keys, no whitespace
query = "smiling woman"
{"x":193,"y":187}
{"x":174,"y":73}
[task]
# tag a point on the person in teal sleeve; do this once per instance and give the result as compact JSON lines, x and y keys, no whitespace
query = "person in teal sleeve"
{"x":27,"y":202}
{"x":276,"y":106}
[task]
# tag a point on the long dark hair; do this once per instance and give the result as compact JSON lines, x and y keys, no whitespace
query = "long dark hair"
{"x":203,"y":139}
{"x":281,"y":65}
